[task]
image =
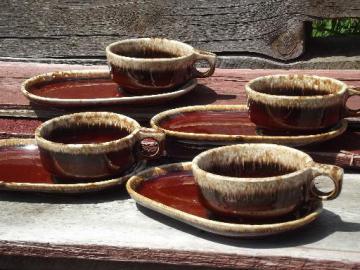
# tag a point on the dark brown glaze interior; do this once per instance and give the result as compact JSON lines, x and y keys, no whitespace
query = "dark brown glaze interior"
{"x":296,"y":91}
{"x":149,"y":49}
{"x":296,"y":86}
{"x":86,"y":134}
{"x":246,"y":162}
{"x":78,"y":89}
{"x":79,"y":130}
{"x":146,"y":53}
{"x":178,"y":190}
{"x":249,"y":169}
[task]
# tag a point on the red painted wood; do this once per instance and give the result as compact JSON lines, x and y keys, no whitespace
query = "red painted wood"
{"x":226,"y":86}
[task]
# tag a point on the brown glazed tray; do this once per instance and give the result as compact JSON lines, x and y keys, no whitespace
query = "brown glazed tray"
{"x":78,"y":88}
{"x":173,"y":192}
{"x":193,"y":129}
{"x":21,"y":170}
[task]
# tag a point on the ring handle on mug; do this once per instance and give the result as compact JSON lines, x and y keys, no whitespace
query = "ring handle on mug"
{"x":335,"y":173}
{"x":353,"y":91}
{"x":157,"y":141}
{"x":208,"y":57}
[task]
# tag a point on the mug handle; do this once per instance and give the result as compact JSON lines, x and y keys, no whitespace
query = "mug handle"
{"x":353,"y":91}
{"x":208,"y":57}
{"x":150,"y":133}
{"x":335,"y":173}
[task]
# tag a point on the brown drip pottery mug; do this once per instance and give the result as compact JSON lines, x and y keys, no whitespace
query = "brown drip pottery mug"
{"x":260,"y":180}
{"x":298,"y":102}
{"x":155,"y":65}
{"x":94,"y":144}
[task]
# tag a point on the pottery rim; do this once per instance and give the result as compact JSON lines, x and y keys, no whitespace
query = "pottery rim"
{"x":185,"y":52}
{"x":304,"y":158}
{"x":113,"y":119}
{"x":299,"y":101}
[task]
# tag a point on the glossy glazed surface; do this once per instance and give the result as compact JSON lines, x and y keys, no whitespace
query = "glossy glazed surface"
{"x":78,"y":89}
{"x":84,"y":166}
{"x":249,"y":169}
{"x":283,"y":118}
{"x":278,"y":116}
{"x":85,"y":134}
{"x":178,"y":190}
{"x":22,"y":164}
{"x":144,"y":82}
{"x":211,"y":122}
{"x":221,"y":122}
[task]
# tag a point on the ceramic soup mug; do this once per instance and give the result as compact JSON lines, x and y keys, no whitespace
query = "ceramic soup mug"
{"x":154,"y":65}
{"x":260,"y":180}
{"x":94,"y":144}
{"x":298,"y":102}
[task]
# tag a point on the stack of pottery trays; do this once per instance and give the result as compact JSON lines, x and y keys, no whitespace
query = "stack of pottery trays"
{"x":144,"y":71}
{"x":80,"y":152}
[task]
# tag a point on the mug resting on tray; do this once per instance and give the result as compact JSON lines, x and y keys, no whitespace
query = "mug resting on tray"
{"x":155,"y":65}
{"x":298,"y":102}
{"x":260,"y":180}
{"x":94,"y":144}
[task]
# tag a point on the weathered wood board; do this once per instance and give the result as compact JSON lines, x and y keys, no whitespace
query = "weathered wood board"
{"x":109,"y":231}
{"x":240,"y":31}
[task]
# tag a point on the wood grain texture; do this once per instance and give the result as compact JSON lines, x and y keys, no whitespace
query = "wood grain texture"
{"x":105,"y":258}
{"x":82,"y":29}
{"x":108,"y":230}
{"x":325,"y":53}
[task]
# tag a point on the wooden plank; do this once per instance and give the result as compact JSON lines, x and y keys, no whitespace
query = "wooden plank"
{"x":323,"y":53}
{"x":105,"y":258}
{"x":108,"y":230}
{"x":75,"y":29}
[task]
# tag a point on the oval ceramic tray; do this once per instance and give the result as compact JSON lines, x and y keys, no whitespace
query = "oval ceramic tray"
{"x":191,"y":130}
{"x":173,"y":192}
{"x":21,"y":170}
{"x":76,"y":88}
